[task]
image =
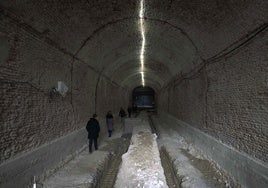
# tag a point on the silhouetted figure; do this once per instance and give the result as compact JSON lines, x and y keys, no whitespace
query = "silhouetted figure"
{"x":129,"y":110}
{"x":109,"y":122}
{"x":135,"y":108}
{"x":123,"y":115}
{"x":93,"y":129}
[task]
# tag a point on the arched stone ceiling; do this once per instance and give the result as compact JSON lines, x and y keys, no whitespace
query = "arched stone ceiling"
{"x":160,"y":70}
{"x":134,"y":81}
{"x":136,"y":78}
{"x":168,"y":46}
{"x":105,"y":34}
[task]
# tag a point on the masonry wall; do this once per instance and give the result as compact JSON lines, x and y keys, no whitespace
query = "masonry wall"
{"x":31,"y":115}
{"x":227,"y":99}
{"x":110,"y":97}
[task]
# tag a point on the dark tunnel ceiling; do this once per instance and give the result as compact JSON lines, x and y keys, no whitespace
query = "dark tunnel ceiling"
{"x":180,"y":34}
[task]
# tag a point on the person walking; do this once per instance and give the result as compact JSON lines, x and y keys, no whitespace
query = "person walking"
{"x":129,"y":110}
{"x":93,"y":129}
{"x":123,"y":115}
{"x":109,"y":122}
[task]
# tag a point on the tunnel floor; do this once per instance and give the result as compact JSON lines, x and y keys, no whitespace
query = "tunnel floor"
{"x":183,"y":165}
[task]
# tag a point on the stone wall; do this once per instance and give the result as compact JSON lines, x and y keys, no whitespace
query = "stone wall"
{"x":40,"y":128}
{"x":227,"y":99}
{"x":110,"y":97}
{"x":31,"y":113}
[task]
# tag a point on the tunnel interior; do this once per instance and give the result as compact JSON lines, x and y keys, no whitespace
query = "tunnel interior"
{"x":205,"y":63}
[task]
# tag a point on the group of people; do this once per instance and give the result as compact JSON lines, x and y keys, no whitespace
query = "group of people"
{"x":93,"y":126}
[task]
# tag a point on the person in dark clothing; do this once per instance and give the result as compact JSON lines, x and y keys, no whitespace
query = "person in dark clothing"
{"x":93,"y":129}
{"x":129,"y":110}
{"x":135,"y":108}
{"x":123,"y":115}
{"x":109,"y":122}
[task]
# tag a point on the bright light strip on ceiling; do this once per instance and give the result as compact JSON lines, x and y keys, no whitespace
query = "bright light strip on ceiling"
{"x":142,"y":30}
{"x":142,"y":78}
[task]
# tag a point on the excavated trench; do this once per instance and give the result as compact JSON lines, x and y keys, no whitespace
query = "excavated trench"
{"x":182,"y":167}
{"x":110,"y":171}
{"x":174,"y":180}
{"x":214,"y":176}
{"x":119,"y":147}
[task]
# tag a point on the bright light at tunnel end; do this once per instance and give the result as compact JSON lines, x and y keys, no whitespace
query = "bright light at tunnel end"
{"x":142,"y":31}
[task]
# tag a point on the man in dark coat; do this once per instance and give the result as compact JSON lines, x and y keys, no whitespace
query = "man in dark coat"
{"x":109,"y":122}
{"x":93,"y":129}
{"x":129,"y":110}
{"x":123,"y":115}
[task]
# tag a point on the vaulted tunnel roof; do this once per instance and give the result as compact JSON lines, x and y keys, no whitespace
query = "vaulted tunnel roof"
{"x":180,"y":34}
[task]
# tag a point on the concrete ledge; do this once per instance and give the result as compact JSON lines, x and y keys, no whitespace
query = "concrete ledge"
{"x":141,"y":165}
{"x":247,"y":171}
{"x":83,"y":171}
{"x":19,"y":172}
{"x":188,"y":175}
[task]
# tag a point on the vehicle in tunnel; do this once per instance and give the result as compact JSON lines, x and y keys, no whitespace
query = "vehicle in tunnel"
{"x":143,"y":98}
